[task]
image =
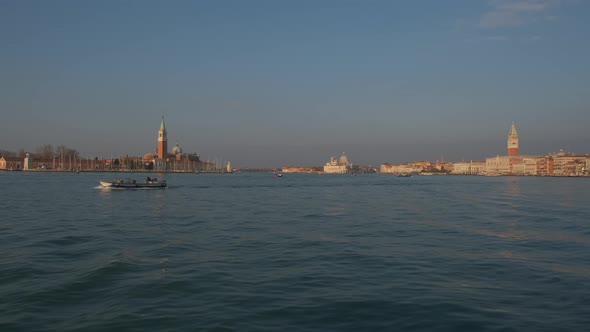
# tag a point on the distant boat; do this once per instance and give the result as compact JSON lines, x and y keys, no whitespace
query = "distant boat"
{"x":404,"y":175}
{"x":278,"y":175}
{"x":132,"y":184}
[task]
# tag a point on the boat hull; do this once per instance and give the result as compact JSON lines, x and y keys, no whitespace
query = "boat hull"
{"x":131,"y":185}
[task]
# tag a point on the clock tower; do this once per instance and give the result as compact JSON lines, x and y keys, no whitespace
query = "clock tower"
{"x":512,"y":142}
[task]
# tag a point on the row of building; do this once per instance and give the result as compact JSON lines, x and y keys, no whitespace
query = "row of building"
{"x":558,"y":164}
{"x":334,"y":166}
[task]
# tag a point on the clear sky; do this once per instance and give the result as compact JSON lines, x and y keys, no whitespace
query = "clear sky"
{"x":273,"y":83}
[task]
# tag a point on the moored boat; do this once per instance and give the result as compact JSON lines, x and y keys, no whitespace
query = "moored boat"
{"x":132,"y":184}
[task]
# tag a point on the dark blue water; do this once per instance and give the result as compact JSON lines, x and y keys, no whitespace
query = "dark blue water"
{"x":250,"y":252}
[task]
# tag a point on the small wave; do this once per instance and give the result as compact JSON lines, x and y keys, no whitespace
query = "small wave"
{"x":69,"y":240}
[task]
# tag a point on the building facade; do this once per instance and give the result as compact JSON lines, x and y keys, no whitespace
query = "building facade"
{"x":567,"y":164}
{"x":413,"y":167}
{"x":338,"y":166}
{"x":469,"y":168}
{"x":11,"y":163}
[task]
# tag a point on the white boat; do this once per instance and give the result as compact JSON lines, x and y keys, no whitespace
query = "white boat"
{"x":132,"y":184}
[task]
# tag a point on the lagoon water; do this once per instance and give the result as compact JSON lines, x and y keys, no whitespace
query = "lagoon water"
{"x":250,"y":252}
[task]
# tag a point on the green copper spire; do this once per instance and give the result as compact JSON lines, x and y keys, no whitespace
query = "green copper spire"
{"x":513,"y":130}
{"x":162,"y":125}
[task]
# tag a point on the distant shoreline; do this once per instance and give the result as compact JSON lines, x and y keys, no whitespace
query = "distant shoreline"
{"x":104,"y":171}
{"x":270,"y":171}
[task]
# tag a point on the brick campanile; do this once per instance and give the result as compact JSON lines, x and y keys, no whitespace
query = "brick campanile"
{"x":513,"y":142}
{"x":162,"y":141}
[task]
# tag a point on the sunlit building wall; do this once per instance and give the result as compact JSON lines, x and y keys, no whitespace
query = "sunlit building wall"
{"x":339,"y":166}
{"x":398,"y":169}
{"x":469,"y":168}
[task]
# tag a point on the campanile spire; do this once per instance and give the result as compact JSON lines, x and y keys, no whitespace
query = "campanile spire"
{"x":162,"y":141}
{"x":513,"y":141}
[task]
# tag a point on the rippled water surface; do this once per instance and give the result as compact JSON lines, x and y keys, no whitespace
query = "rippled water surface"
{"x":250,"y":252}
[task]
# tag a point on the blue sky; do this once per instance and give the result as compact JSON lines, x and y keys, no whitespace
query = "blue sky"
{"x":272,"y":83}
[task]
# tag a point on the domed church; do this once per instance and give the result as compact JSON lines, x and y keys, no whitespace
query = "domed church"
{"x":177,"y":150}
{"x":341,"y":165}
{"x":174,"y":161}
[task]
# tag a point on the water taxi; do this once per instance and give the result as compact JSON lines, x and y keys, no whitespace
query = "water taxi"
{"x":132,"y":184}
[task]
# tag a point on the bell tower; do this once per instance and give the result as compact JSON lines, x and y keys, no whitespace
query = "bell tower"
{"x":162,"y":141}
{"x":512,"y":142}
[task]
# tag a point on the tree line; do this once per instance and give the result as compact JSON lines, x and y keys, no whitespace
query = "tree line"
{"x":45,"y":151}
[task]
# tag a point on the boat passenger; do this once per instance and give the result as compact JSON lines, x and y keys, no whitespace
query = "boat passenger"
{"x":148,"y":180}
{"x":155,"y":180}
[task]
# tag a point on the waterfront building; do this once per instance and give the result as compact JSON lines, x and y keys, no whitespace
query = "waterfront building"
{"x":11,"y":163}
{"x":518,"y":167}
{"x":509,"y":164}
{"x":569,"y":164}
{"x":522,"y":165}
{"x":296,"y":169}
{"x":422,"y":164}
{"x":446,"y":167}
{"x":41,"y":164}
{"x":500,"y":164}
{"x":561,"y":164}
{"x":545,"y":166}
{"x":529,"y":165}
{"x":340,"y":166}
{"x":533,"y":165}
{"x":413,"y":167}
{"x":397,"y":168}
{"x":175,"y":160}
{"x":469,"y":168}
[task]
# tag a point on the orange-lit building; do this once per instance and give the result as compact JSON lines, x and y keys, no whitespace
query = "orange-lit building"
{"x":512,"y":163}
{"x":513,"y":141}
{"x":11,"y":163}
{"x":175,"y":160}
{"x":162,"y":141}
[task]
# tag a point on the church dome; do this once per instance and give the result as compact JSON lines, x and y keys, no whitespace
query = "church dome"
{"x":148,"y":157}
{"x":176,"y":149}
{"x":343,"y":160}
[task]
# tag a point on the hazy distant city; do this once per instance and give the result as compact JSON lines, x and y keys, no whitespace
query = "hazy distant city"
{"x":163,"y":159}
